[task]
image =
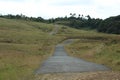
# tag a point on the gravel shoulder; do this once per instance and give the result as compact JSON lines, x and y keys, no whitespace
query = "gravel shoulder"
{"x":100,"y":75}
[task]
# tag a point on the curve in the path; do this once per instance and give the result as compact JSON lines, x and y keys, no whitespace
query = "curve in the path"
{"x":61,"y":62}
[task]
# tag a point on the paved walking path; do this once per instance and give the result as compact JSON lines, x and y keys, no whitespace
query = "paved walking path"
{"x":61,"y":62}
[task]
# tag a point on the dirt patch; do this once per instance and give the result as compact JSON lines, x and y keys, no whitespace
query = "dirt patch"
{"x":101,"y":75}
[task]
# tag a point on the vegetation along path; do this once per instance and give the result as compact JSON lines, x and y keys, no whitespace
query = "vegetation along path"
{"x":61,"y":62}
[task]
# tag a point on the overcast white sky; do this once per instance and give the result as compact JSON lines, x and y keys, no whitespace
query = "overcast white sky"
{"x":60,"y":8}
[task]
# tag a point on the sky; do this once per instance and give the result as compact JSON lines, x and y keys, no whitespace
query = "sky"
{"x":60,"y":8}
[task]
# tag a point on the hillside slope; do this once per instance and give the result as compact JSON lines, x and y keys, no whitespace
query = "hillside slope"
{"x":25,"y":44}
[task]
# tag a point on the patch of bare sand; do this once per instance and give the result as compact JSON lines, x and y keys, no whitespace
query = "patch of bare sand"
{"x":100,"y":75}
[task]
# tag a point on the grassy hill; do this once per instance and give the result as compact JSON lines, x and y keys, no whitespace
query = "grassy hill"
{"x":25,"y":44}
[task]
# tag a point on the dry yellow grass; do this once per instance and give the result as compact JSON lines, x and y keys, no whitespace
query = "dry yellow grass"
{"x":100,"y":51}
{"x":23,"y":47}
{"x":25,"y":44}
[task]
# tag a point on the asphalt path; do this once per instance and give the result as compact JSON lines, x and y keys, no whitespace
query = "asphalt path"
{"x":60,"y":62}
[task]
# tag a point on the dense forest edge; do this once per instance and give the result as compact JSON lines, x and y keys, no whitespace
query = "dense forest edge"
{"x":109,"y":25}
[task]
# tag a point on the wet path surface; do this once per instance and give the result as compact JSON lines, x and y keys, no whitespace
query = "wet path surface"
{"x":61,"y":62}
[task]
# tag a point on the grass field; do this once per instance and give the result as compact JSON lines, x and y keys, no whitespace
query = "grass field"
{"x":100,"y":48}
{"x":25,"y":44}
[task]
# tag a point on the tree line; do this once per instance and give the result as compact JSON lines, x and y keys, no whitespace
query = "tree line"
{"x":109,"y":25}
{"x":79,"y":21}
{"x":22,"y":17}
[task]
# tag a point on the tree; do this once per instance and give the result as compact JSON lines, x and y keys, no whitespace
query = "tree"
{"x":89,"y":18}
{"x":110,"y":25}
